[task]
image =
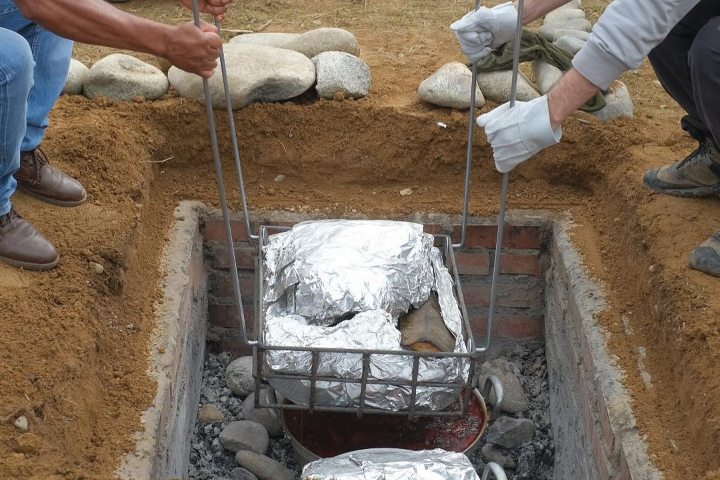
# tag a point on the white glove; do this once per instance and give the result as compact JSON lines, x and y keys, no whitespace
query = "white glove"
{"x":484,"y":29}
{"x":518,"y":133}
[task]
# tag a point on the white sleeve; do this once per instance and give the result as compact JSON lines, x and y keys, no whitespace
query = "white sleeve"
{"x":625,"y":34}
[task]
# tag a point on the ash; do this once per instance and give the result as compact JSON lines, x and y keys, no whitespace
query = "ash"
{"x":208,"y":459}
{"x":533,"y":460}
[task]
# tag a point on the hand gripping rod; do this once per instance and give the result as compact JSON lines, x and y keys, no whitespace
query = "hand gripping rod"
{"x":221,"y":181}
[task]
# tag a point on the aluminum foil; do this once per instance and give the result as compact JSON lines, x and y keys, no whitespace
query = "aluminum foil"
{"x":315,"y":275}
{"x":392,"y":464}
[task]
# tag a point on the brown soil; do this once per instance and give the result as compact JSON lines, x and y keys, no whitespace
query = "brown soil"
{"x":74,"y":347}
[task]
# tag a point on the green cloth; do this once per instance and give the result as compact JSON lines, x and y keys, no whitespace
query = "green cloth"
{"x":533,"y":47}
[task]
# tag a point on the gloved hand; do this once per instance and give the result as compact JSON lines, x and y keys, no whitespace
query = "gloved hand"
{"x":518,"y":133}
{"x":484,"y":29}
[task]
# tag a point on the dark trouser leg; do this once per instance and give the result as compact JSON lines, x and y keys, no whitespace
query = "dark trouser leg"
{"x":687,"y":63}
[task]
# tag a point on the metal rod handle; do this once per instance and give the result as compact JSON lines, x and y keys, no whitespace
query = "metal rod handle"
{"x":469,"y":152}
{"x":494,"y":469}
{"x":505,"y":181}
{"x":221,"y":189}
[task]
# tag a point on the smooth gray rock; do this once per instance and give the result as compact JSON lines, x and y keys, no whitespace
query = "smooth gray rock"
{"x":76,"y":78}
{"x":240,"y":473}
{"x":514,"y":398}
{"x":492,"y":453}
{"x":570,"y":44}
{"x":277,"y":40}
{"x":122,"y":77}
{"x":245,"y":435}
{"x":511,"y":432}
{"x":495,"y":86}
{"x":263,"y":467}
{"x":315,"y":42}
{"x":239,"y":376}
{"x":564,"y":15}
{"x":22,"y":423}
{"x":555,"y":31}
{"x":450,"y":87}
{"x":618,"y":103}
{"x":256,"y":73}
{"x":210,"y":414}
{"x":267,"y":417}
{"x":339,"y":73}
{"x":545,"y":75}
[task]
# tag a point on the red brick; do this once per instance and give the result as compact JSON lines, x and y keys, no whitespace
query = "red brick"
{"x":433,"y":229}
{"x":517,"y":327}
{"x":472,"y":262}
{"x":514,"y":236}
{"x":224,"y":285}
{"x":215,"y":231}
{"x":225,"y":316}
{"x":520,"y":263}
{"x":514,"y":291}
{"x":624,"y":470}
{"x":245,"y":255}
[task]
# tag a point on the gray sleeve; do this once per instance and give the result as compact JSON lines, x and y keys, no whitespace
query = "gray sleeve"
{"x":625,"y":34}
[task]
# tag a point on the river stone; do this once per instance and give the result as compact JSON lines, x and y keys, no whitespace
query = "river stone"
{"x":269,"y":39}
{"x":570,"y":44}
{"x":239,"y":376}
{"x":210,"y":414}
{"x":315,"y":42}
{"x":267,"y":417}
{"x":514,"y":398}
{"x":256,"y":73}
{"x":492,"y":453}
{"x":341,"y":74}
{"x":495,"y":86}
{"x":511,"y":432}
{"x":76,"y":78}
{"x":545,"y":75}
{"x":263,"y":467}
{"x":564,"y":15}
{"x":240,"y":473}
{"x":450,"y":87}
{"x":618,"y":103}
{"x":245,"y":435}
{"x":122,"y":77}
{"x":555,"y":31}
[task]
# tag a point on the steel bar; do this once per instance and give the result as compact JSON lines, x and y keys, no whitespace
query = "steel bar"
{"x":505,"y":181}
{"x":469,"y":152}
{"x":223,"y":197}
{"x":234,"y":141}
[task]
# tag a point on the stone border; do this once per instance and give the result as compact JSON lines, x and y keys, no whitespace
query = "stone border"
{"x":177,"y":349}
{"x":593,"y":425}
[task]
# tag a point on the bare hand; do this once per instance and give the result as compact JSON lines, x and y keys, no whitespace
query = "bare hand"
{"x":216,"y":8}
{"x":194,"y":49}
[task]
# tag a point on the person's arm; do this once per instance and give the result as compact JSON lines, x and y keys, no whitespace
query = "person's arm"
{"x":534,"y":9}
{"x":567,"y":95}
{"x":97,"y":22}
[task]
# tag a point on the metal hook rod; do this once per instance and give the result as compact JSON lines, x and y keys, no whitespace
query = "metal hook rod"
{"x":505,"y":180}
{"x":221,"y":189}
{"x":469,"y":152}
{"x":234,"y":140}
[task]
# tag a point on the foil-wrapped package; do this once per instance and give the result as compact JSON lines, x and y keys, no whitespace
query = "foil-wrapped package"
{"x":343,"y":284}
{"x":392,"y":464}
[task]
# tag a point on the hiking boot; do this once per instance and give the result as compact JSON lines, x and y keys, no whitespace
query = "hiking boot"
{"x":39,"y":179}
{"x":706,"y":257}
{"x":696,"y":176}
{"x":21,"y":245}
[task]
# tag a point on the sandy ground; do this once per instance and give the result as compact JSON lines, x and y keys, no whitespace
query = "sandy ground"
{"x":74,"y":344}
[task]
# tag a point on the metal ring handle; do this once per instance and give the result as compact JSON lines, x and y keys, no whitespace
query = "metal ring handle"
{"x":493,"y":383}
{"x":496,"y":471}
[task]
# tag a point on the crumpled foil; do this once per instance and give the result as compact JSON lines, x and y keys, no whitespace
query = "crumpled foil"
{"x":392,"y":464}
{"x":315,"y":274}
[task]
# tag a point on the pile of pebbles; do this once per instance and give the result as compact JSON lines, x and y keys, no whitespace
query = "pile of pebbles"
{"x":234,"y":441}
{"x":520,"y":439}
{"x":568,"y":29}
{"x":262,"y":67}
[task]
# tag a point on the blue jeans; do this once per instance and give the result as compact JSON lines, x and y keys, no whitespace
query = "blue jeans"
{"x":33,"y":67}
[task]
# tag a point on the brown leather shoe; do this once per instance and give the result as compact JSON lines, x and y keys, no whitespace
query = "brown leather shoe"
{"x":23,"y":246}
{"x":38,"y":178}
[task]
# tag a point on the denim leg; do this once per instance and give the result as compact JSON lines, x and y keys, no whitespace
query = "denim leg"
{"x":16,"y":80}
{"x":52,"y":60}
